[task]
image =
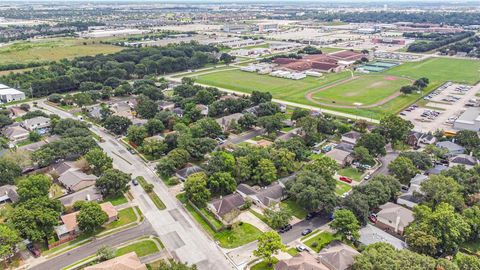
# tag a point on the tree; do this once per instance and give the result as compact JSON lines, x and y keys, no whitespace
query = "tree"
{"x":403,"y":169}
{"x":221,"y":162}
{"x":106,"y":253}
{"x":299,"y":113}
{"x":269,"y":243}
{"x":221,"y":183}
{"x":136,"y":134}
{"x":374,"y":143}
{"x":438,"y":188}
{"x":173,"y":265}
{"x":154,"y":126}
{"x":153,"y":148}
{"x":421,"y":83}
{"x":166,"y":167}
{"x":472,"y":216}
{"x":247,"y":121}
{"x":469,"y":139}
{"x":284,"y":161}
{"x":146,"y":108}
{"x":277,"y":219}
{"x":271,"y":123}
{"x":196,"y":189}
{"x":206,"y":127}
{"x":5,"y":120}
{"x":9,"y":171}
{"x":408,"y":89}
{"x":324,"y":167}
{"x":362,"y":155}
{"x":226,"y":58}
{"x":443,"y":223}
{"x":91,"y":217}
{"x":8,"y":241}
{"x":117,"y":124}
{"x":420,"y":159}
{"x":34,"y":136}
{"x":394,"y":128}
{"x":113,"y":182}
{"x":258,"y":97}
{"x":34,"y":186}
{"x":98,"y":161}
{"x":313,"y":191}
{"x":422,"y":242}
{"x":295,"y":145}
{"x":265,"y":172}
{"x":346,"y":224}
{"x":467,"y":262}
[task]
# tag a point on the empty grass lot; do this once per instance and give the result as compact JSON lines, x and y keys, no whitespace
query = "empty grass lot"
{"x":238,"y":235}
{"x":366,"y":90}
{"x":142,"y":248}
{"x":319,"y":241}
{"x":294,"y":208}
{"x":286,"y":89}
{"x":351,"y":173}
{"x":52,"y":50}
{"x":125,"y":216}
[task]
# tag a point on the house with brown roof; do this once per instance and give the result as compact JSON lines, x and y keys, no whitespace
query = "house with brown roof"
{"x":340,"y":156}
{"x":15,"y":133}
{"x":394,"y":218}
{"x":337,"y":256}
{"x":16,"y":111}
{"x":69,"y":225}
{"x":351,"y":137}
{"x":301,"y":261}
{"x":226,"y":204}
{"x":8,"y":193}
{"x":129,"y":261}
{"x":77,"y":180}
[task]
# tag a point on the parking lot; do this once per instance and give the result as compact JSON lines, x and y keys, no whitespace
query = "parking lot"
{"x":443,"y":107}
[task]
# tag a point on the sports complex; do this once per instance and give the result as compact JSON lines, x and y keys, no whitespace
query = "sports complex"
{"x":365,"y":94}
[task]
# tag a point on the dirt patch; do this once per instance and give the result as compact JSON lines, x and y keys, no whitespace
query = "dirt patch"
{"x":390,"y":78}
{"x":377,"y":84}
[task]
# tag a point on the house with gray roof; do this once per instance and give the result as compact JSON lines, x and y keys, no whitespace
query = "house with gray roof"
{"x":451,"y":147}
{"x":413,"y":196}
{"x":8,"y":193}
{"x":76,"y":180}
{"x":394,"y":218}
{"x":89,"y":194}
{"x":439,"y":168}
{"x":36,"y":123}
{"x":226,"y":204}
{"x":351,"y":137}
{"x":337,"y":256}
{"x":190,"y":169}
{"x":263,"y":196}
{"x":463,"y":159}
{"x":15,"y":133}
{"x":226,"y":121}
{"x":371,"y":235}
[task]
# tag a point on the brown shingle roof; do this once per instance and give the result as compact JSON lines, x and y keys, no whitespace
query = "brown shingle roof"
{"x":228,"y":203}
{"x":301,"y":261}
{"x":337,"y":256}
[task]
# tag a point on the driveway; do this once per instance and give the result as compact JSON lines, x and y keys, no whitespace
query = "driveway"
{"x":385,"y":160}
{"x":91,"y":248}
{"x":296,"y":231}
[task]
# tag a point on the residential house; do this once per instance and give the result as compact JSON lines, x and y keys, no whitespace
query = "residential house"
{"x":69,"y":225}
{"x":436,"y":170}
{"x":8,"y":193}
{"x":347,"y":147}
{"x":265,"y":196}
{"x":165,"y":105}
{"x":202,"y":108}
{"x":371,"y":235}
{"x":32,"y":146}
{"x":224,"y":205}
{"x":190,"y":169}
{"x":129,"y":261}
{"x":17,"y":112}
{"x":76,"y":180}
{"x":394,"y":218}
{"x":412,"y":197}
{"x":95,"y":111}
{"x":178,"y":111}
{"x":15,"y":133}
{"x":451,"y":147}
{"x":226,"y":121}
{"x":417,"y":138}
{"x":62,"y":167}
{"x":37,"y":123}
{"x":337,"y":256}
{"x":89,"y":194}
{"x":463,"y":159}
{"x":351,"y":137}
{"x":340,"y":156}
{"x":301,"y":261}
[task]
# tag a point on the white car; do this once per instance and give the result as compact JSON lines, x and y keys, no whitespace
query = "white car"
{"x":301,"y":248}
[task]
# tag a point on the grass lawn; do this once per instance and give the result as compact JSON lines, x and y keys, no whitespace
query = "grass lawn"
{"x":239,"y":235}
{"x":259,"y":216}
{"x":294,"y":208}
{"x":56,"y":191}
{"x":351,"y":173}
{"x":342,"y":188}
{"x":142,"y":248}
{"x":320,"y":240}
{"x":125,"y":216}
{"x":153,"y":196}
{"x":264,"y":265}
{"x":116,"y":200}
{"x":292,"y":251}
{"x":52,"y":49}
{"x":472,"y":247}
{"x":217,"y":223}
{"x":286,"y":89}
{"x":367,"y":89}
{"x":5,"y":209}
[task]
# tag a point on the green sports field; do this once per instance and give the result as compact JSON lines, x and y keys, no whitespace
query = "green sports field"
{"x":286,"y":89}
{"x":364,"y":90}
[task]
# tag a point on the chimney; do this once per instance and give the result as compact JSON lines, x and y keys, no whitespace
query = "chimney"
{"x":88,"y":197}
{"x":397,"y":223}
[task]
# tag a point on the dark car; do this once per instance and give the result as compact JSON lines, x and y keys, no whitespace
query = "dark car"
{"x":306,"y":231}
{"x":285,"y":228}
{"x":36,"y":253}
{"x":135,"y":182}
{"x":311,"y":215}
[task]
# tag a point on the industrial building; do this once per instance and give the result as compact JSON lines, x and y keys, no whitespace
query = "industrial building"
{"x":8,"y":94}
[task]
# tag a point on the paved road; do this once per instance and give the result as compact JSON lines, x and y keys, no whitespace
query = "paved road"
{"x":296,"y":231}
{"x":246,"y":136}
{"x":182,"y":237}
{"x":91,"y":248}
{"x":389,"y":157}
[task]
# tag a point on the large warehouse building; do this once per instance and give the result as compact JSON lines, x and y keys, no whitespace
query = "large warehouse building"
{"x":469,"y":120}
{"x":8,"y":94}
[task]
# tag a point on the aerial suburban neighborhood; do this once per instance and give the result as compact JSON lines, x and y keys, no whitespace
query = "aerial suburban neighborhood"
{"x":262,"y":135}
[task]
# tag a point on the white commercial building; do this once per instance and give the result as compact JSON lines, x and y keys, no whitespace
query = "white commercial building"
{"x":469,"y":120}
{"x":8,"y":94}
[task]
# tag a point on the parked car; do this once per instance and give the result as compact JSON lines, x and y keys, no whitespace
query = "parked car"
{"x":306,"y":232}
{"x":35,"y":251}
{"x":345,"y":179}
{"x":301,"y":248}
{"x":311,"y":215}
{"x":366,"y":177}
{"x":373,"y":218}
{"x":135,"y":182}
{"x":285,"y":228}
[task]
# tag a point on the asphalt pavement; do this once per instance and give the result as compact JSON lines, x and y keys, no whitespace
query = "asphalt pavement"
{"x":296,"y":231}
{"x":91,"y":248}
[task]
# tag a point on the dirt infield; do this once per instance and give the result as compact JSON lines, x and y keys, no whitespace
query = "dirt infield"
{"x":309,"y":95}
